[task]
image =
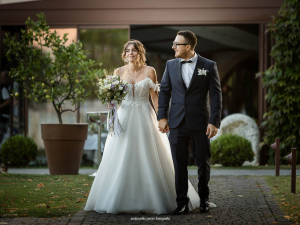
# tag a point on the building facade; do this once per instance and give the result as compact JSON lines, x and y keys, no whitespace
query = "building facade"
{"x":231,"y":32}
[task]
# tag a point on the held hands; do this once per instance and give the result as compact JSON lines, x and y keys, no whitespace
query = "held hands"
{"x":108,"y":105}
{"x":211,"y":130}
{"x":163,"y":125}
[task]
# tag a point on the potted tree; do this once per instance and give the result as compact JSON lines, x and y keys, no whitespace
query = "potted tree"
{"x":62,"y":77}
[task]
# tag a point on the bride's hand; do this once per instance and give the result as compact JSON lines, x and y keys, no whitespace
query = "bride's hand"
{"x":163,"y":125}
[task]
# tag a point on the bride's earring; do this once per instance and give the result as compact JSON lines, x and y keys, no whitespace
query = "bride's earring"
{"x":126,"y":60}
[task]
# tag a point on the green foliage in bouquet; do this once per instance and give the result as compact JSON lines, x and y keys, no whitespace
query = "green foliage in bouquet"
{"x":282,"y":81}
{"x":64,"y":77}
{"x":112,"y":89}
{"x":18,"y":151}
{"x":231,"y":150}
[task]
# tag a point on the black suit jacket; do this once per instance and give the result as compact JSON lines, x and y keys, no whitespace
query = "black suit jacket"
{"x":191,"y":102}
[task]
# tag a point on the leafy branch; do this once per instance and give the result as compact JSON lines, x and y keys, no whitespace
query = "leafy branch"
{"x":64,"y":76}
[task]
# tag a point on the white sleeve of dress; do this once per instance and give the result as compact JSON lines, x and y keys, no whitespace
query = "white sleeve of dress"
{"x":155,"y":87}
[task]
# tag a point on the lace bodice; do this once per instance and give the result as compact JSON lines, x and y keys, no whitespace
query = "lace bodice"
{"x":138,"y":93}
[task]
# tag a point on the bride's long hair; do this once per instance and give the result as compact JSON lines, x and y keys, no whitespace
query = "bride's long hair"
{"x":139,"y":47}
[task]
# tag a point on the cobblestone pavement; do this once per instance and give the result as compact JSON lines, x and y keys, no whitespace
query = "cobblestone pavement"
{"x":214,"y":172}
{"x":239,"y":199}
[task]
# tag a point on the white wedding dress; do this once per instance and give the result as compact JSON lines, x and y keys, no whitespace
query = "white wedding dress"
{"x":136,"y":174}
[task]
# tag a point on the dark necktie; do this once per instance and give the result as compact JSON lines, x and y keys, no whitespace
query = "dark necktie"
{"x":189,"y":61}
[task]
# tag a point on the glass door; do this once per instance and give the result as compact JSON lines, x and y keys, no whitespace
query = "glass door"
{"x":12,"y":116}
{"x":104,"y":45}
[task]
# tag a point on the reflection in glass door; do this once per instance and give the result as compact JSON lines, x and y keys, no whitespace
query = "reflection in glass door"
{"x":104,"y":45}
{"x":12,"y":116}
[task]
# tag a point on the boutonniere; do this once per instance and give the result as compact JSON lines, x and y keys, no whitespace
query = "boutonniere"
{"x":202,"y":71}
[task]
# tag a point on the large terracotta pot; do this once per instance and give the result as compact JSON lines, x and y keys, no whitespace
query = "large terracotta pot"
{"x":64,"y":146}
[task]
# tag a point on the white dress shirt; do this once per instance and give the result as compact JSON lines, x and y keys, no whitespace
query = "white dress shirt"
{"x":5,"y":96}
{"x":187,"y":69}
{"x":5,"y":93}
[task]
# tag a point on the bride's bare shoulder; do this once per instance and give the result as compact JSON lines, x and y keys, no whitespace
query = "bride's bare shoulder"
{"x":118,"y":71}
{"x":152,"y":74}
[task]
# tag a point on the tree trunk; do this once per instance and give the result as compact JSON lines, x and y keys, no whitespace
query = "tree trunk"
{"x":59,"y":117}
{"x":58,"y":113}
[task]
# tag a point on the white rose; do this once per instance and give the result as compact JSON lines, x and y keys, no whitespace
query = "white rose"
{"x":121,"y":88}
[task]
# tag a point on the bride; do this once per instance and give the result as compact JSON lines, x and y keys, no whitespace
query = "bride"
{"x":136,"y":174}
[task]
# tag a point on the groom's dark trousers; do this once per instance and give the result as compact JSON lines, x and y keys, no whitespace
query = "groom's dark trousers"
{"x":180,"y":138}
{"x":189,"y":116}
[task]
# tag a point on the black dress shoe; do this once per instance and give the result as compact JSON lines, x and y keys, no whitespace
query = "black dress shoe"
{"x":204,"y":206}
{"x":183,"y":209}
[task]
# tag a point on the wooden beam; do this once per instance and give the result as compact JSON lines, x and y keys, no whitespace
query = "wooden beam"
{"x":261,"y":68}
{"x":0,"y":44}
{"x":142,"y":16}
{"x":2,"y":2}
{"x":78,"y":110}
{"x":134,"y":4}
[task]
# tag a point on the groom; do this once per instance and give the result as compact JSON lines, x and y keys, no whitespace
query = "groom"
{"x":188,"y":80}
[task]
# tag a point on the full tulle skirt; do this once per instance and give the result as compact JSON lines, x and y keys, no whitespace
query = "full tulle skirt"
{"x":136,"y":174}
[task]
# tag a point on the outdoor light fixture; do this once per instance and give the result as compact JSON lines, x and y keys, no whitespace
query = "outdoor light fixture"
{"x":291,"y":158}
{"x":275,"y":146}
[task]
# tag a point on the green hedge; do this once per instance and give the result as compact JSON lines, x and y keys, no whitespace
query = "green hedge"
{"x":18,"y":151}
{"x":231,"y":150}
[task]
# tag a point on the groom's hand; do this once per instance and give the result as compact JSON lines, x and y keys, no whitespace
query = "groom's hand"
{"x":163,"y":125}
{"x":212,"y":130}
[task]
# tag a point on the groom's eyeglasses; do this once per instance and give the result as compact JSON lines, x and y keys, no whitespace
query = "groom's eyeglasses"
{"x":176,"y":44}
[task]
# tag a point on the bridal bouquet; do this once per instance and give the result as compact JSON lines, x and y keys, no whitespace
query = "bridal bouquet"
{"x":112,"y":90}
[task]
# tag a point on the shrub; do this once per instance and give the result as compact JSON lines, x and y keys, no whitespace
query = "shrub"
{"x":282,"y":82}
{"x":231,"y":150}
{"x":18,"y":150}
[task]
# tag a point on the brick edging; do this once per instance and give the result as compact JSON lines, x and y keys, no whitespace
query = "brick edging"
{"x":270,"y":200}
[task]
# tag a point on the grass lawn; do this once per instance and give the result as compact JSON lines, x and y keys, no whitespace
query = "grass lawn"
{"x":288,"y":202}
{"x":43,"y":196}
{"x":46,"y":167}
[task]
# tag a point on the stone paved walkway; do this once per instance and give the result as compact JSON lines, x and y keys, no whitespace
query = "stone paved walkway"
{"x":240,"y":200}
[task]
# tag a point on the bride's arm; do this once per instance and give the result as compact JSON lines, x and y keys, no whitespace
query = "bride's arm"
{"x":153,"y":93}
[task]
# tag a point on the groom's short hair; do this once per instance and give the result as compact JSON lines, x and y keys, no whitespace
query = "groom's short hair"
{"x":189,"y":36}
